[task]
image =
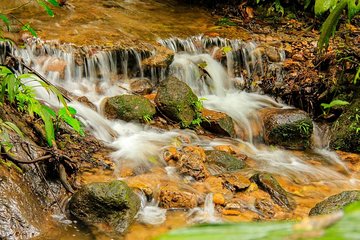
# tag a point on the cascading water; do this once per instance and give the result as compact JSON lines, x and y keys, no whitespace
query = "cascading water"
{"x":105,"y":74}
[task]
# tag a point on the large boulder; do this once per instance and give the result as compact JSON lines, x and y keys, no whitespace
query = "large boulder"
{"x":335,"y":203}
{"x":128,"y":108}
{"x":176,"y":100}
{"x":218,"y":123}
{"x":290,"y":128}
{"x":107,"y":207}
{"x":222,"y":162}
{"x":345,"y":131}
{"x":269,"y":184}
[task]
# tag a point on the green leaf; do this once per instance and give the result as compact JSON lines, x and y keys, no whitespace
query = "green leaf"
{"x":226,"y":49}
{"x":11,"y":126}
{"x":5,"y":20}
{"x":46,"y":8}
{"x":329,"y":26}
{"x":357,"y":75}
{"x":66,"y":115}
{"x":353,"y":8}
{"x":322,"y":6}
{"x":54,"y":3}
{"x":334,"y":103}
{"x":28,"y":28}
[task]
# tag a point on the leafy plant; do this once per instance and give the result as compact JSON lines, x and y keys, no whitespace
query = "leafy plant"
{"x":326,"y":227}
{"x":147,"y":118}
{"x":45,"y":4}
{"x":327,"y":106}
{"x":304,"y":127}
{"x":329,"y":26}
{"x":5,"y":127}
{"x":198,"y":106}
{"x":13,"y":90}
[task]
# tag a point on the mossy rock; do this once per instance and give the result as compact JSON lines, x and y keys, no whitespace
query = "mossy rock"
{"x":344,"y":135}
{"x":128,"y":108}
{"x":176,"y":100}
{"x":223,"y":161}
{"x":290,"y":128}
{"x":218,"y":123}
{"x":335,"y":203}
{"x":105,"y":206}
{"x":269,"y":184}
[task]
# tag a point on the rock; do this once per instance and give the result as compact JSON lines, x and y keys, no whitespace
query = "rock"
{"x":298,"y":57}
{"x":344,"y":136}
{"x":235,"y":182}
{"x":192,"y":163}
{"x":265,"y":207}
{"x":174,"y":197}
{"x":141,"y":86}
{"x":218,"y":123}
{"x":290,"y":128}
{"x":84,"y":100}
{"x":109,"y":206}
{"x":221,"y":162}
{"x":335,"y":203}
{"x":219,"y":199}
{"x":128,"y":108}
{"x":176,"y":100}
{"x":272,"y":54}
{"x":269,"y":184}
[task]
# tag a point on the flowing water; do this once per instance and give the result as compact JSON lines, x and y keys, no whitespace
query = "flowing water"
{"x":221,"y":72}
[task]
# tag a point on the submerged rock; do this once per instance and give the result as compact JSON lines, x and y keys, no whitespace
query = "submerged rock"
{"x":290,"y":128}
{"x":106,"y":206}
{"x":269,"y":184}
{"x":222,"y":162}
{"x":192,"y":162}
{"x":345,"y":133}
{"x":141,"y":86}
{"x":335,"y":203}
{"x":176,"y":100}
{"x":217,"y":122}
{"x":174,"y":197}
{"x":128,"y":108}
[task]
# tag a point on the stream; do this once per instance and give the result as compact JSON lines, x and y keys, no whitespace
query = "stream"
{"x":224,"y":84}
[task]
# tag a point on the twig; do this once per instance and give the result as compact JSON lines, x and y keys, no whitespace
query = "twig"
{"x":16,"y":8}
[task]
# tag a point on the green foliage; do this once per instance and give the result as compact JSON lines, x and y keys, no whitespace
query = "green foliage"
{"x":322,"y":228}
{"x":355,"y":121}
{"x":15,"y":92}
{"x":321,"y":6}
{"x":304,"y":127}
{"x":357,"y":75}
{"x":334,"y":103}
{"x":198,"y":106}
{"x":5,"y":127}
{"x":46,"y":5}
{"x":147,"y":118}
{"x":225,"y":22}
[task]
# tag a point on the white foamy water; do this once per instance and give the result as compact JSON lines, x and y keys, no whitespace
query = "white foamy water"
{"x":104,"y":73}
{"x":149,"y":212}
{"x":206,"y":214}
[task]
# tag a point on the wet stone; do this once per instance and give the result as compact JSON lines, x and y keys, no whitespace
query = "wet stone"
{"x":290,"y":128}
{"x":176,"y":100}
{"x":192,"y":163}
{"x":335,"y":203}
{"x":174,"y":197}
{"x":269,"y":184}
{"x":218,"y":123}
{"x":221,"y":162}
{"x":84,"y":100}
{"x":265,"y":207}
{"x":235,"y":182}
{"x":109,"y":207}
{"x":128,"y":108}
{"x":141,"y":86}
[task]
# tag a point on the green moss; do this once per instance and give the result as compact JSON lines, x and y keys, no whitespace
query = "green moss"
{"x":176,"y":100}
{"x":292,"y":135}
{"x":129,"y":108}
{"x":346,"y":130}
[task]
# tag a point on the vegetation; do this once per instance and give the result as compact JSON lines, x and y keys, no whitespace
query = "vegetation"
{"x":15,"y":91}
{"x":322,"y":228}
